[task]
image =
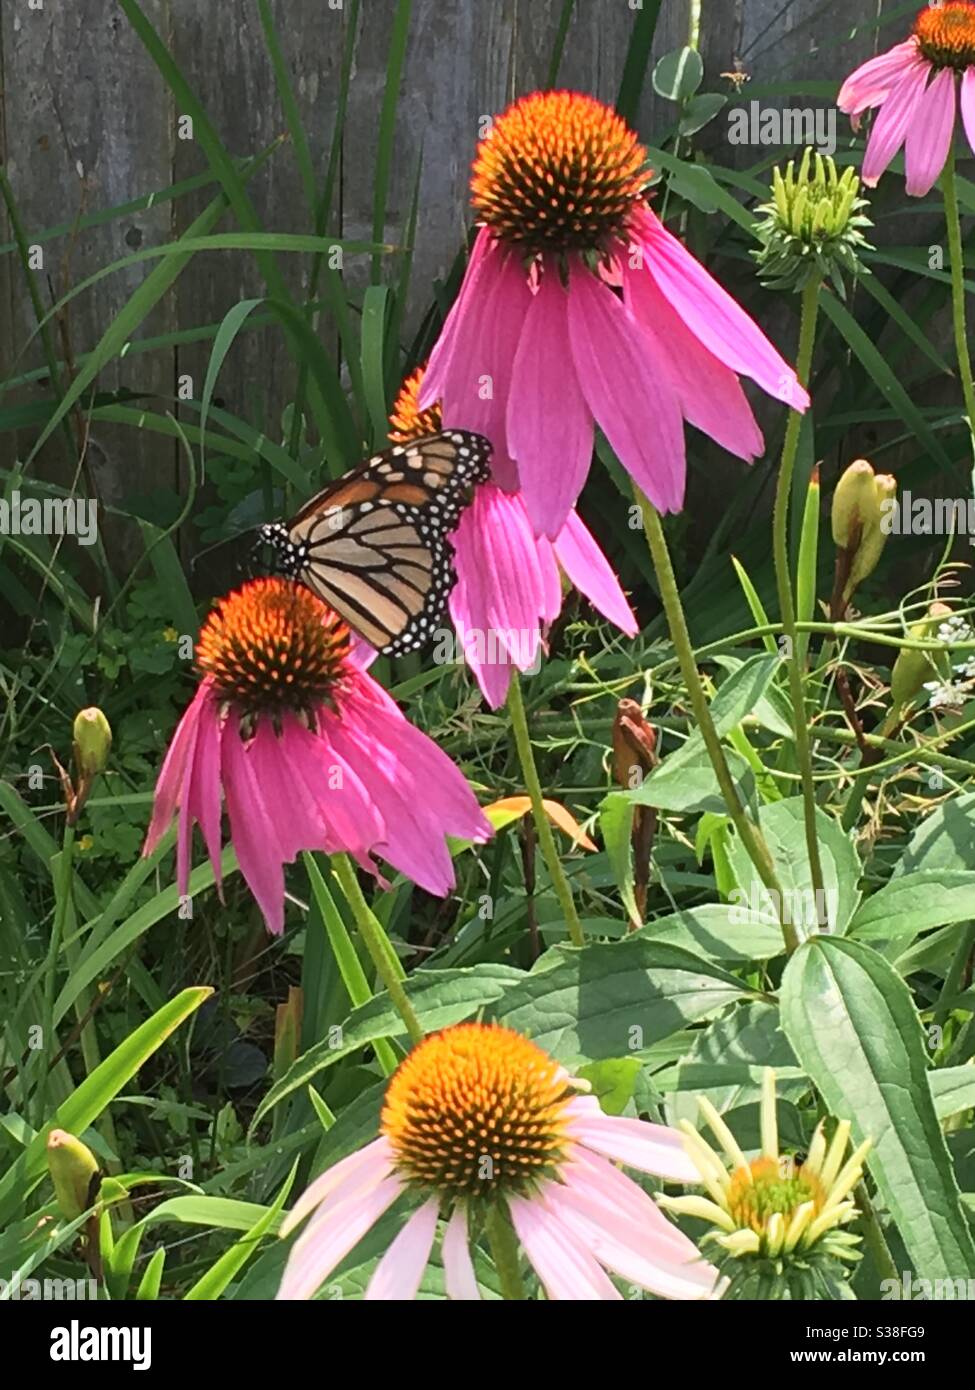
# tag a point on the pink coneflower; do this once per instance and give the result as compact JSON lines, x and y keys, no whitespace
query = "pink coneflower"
{"x":308,"y":752}
{"x":916,"y":85}
{"x":480,"y":1122}
{"x":540,"y":345}
{"x":508,"y":588}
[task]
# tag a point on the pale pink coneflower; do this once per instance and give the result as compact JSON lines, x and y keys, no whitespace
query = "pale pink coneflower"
{"x":307,"y":751}
{"x":918,"y":86}
{"x":479,"y":1124}
{"x":578,"y":308}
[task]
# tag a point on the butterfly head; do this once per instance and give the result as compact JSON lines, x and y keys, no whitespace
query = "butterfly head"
{"x":286,"y":558}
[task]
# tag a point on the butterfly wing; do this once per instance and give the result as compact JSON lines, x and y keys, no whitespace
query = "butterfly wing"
{"x":374,"y":546}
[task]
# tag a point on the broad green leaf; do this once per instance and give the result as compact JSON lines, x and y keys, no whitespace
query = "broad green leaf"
{"x":783,"y":827}
{"x":677,"y":75}
{"x":214,"y":1282}
{"x":853,"y":1025}
{"x":719,"y":931}
{"x":614,"y":1000}
{"x":914,"y":903}
{"x":743,"y":1041}
{"x":690,"y":784}
{"x":945,"y":839}
{"x":616,"y":827}
{"x":953,"y":1089}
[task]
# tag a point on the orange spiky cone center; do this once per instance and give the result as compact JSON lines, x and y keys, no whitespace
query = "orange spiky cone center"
{"x":272,"y":646}
{"x":406,"y":420}
{"x":476,"y":1112}
{"x":946,"y":34}
{"x":558,"y":172}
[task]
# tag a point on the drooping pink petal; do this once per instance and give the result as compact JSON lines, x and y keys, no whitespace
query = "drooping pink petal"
{"x":929,"y":134}
{"x":549,"y":425}
{"x":591,"y":573}
{"x":253,"y":826}
{"x":398,"y":1274}
{"x":606,"y":1185}
{"x":324,"y":779}
{"x":968,"y":104}
{"x":648,"y":1147}
{"x":184,"y":834}
{"x":472,"y":374}
{"x":457,"y":323}
{"x":203,"y":795}
{"x":634,"y":1253}
{"x":372,"y":1162}
{"x":890,"y":128}
{"x":869,"y":84}
{"x":710,"y":394}
{"x":169,"y":784}
{"x":458,"y":1267}
{"x":564,"y":1265}
{"x":420,"y":794}
{"x":716,"y":319}
{"x":503,"y":596}
{"x":327,"y":1242}
{"x":634,"y":405}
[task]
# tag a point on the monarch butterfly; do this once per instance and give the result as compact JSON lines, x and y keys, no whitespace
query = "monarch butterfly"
{"x":373,"y":544}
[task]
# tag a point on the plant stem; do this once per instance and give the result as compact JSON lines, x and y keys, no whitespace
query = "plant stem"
{"x":750,"y":835}
{"x":504,"y":1251}
{"x":377,"y":944}
{"x":783,"y":579}
{"x":956,"y":257}
{"x":63,"y":884}
{"x":543,"y":828}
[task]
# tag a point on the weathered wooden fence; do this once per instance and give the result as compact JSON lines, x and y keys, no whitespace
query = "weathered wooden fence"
{"x":87,"y":123}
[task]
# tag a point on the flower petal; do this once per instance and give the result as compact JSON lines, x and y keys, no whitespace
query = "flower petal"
{"x":869,"y":84}
{"x":398,"y":1274}
{"x":647,"y":1147}
{"x":253,"y":824}
{"x":890,"y":128}
{"x":591,"y":573}
{"x":326,"y":1243}
{"x":634,"y":405}
{"x":713,"y":316}
{"x":968,"y":104}
{"x":929,"y":135}
{"x":564,"y":1265}
{"x":549,"y":425}
{"x":710,"y":394}
{"x":373,"y":1161}
{"x":458,"y":1266}
{"x":172,"y":774}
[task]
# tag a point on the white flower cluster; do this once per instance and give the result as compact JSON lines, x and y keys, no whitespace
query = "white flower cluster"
{"x":952,"y":694}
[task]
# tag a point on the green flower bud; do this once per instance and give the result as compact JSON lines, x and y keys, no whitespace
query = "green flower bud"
{"x":874,"y":535}
{"x":855,"y":505}
{"x":812,"y":229}
{"x":92,"y":741}
{"x":73,"y":1168}
{"x":913,"y":668}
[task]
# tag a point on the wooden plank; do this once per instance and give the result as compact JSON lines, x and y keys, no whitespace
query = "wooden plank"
{"x":87,"y":127}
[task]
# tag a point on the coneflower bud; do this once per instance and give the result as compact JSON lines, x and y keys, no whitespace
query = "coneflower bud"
{"x":912,"y":668}
{"x":860,"y":502}
{"x":92,"y":742}
{"x":812,"y":227}
{"x":74,"y":1173}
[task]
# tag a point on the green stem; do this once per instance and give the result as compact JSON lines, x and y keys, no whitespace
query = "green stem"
{"x":543,"y":828}
{"x":780,"y":548}
{"x":377,"y":944}
{"x":750,"y":835}
{"x":504,"y":1252}
{"x":874,"y":1236}
{"x":956,"y":256}
{"x":63,"y":881}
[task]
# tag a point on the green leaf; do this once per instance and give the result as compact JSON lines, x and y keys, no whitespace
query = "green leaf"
{"x":214,"y":1282}
{"x":700,"y":111}
{"x":678,"y":75}
{"x":719,"y":931}
{"x":614,"y":1000}
{"x":690,"y":784}
{"x":953,"y":1089}
{"x":945,"y":839}
{"x":914,"y":903}
{"x":744,"y":1040}
{"x":616,"y":828}
{"x":782,"y":825}
{"x":852,"y":1023}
